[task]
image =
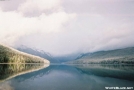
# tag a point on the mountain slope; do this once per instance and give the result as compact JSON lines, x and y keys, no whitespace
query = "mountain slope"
{"x":48,"y":56}
{"x":10,"y":55}
{"x":39,"y":53}
{"x":117,"y":56}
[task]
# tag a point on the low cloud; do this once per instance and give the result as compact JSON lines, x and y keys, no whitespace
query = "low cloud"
{"x":68,"y":26}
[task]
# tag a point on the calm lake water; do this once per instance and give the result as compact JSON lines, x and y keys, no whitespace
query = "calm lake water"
{"x":65,"y":77}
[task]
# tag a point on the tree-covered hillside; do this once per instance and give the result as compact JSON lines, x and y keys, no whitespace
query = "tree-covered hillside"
{"x":118,"y":56}
{"x":10,"y":55}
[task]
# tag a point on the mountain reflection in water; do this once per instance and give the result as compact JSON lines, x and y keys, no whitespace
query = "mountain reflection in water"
{"x":8,"y":71}
{"x":78,"y":77}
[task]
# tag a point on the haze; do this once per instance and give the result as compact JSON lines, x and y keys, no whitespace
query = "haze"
{"x":63,"y":27}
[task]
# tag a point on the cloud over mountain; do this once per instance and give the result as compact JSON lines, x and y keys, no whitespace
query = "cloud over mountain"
{"x":64,"y":27}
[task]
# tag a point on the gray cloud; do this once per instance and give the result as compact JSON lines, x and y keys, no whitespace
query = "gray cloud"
{"x":99,"y":6}
{"x":70,"y":26}
{"x":10,"y":5}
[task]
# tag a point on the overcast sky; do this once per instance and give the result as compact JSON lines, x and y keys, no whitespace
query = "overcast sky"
{"x":67,"y":26}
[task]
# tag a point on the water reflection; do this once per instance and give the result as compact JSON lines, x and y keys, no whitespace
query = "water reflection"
{"x":79,"y":77}
{"x":8,"y":71}
{"x":114,"y":71}
{"x":6,"y":86}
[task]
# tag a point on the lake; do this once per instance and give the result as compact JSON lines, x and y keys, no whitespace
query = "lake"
{"x":66,"y":77}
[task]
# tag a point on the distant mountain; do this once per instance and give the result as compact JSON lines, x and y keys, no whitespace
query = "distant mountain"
{"x":10,"y":55}
{"x":46,"y":55}
{"x":117,"y":56}
{"x":36,"y":52}
{"x":69,"y":57}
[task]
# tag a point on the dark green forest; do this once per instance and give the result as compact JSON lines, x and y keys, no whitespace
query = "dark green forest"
{"x":10,"y":55}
